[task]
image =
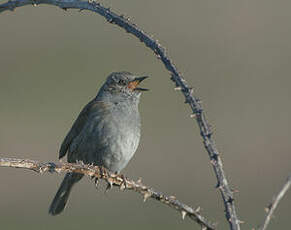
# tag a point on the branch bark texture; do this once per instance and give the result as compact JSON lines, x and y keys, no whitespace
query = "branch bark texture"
{"x":176,"y":77}
{"x":273,"y":205}
{"x":96,"y":172}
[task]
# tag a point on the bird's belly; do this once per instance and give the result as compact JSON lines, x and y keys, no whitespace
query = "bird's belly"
{"x":120,"y":150}
{"x":110,"y":142}
{"x":115,"y":141}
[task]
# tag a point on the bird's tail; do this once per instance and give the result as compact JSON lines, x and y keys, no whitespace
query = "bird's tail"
{"x":61,"y":198}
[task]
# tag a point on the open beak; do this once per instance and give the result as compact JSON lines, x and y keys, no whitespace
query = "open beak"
{"x":133,"y":84}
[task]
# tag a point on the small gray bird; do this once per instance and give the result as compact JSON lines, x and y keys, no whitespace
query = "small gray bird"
{"x":106,"y":133}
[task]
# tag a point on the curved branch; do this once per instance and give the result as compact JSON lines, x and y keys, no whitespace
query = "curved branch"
{"x":273,"y":205}
{"x":177,"y":78}
{"x":112,"y":179}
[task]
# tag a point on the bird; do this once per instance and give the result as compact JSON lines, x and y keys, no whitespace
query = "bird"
{"x":106,"y":132}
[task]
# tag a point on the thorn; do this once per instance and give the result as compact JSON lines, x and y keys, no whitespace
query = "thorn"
{"x":235,"y":190}
{"x":219,"y":186}
{"x":110,"y":20}
{"x":241,"y":222}
{"x":178,"y":88}
{"x":80,"y":162}
{"x":208,"y":134}
{"x":198,"y":100}
{"x":41,"y":170}
{"x":213,"y":161}
{"x":157,"y":55}
{"x":267,"y":209}
{"x":183,"y":213}
{"x":146,"y":195}
{"x":230,"y":200}
{"x":172,"y":197}
{"x":109,"y":185}
{"x":197,"y":209}
{"x":193,"y":115}
{"x":122,"y":187}
{"x":139,"y":180}
{"x":123,"y":184}
{"x":191,"y":90}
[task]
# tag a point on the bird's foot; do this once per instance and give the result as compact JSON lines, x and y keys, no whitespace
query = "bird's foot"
{"x":123,"y":184}
{"x":95,"y":181}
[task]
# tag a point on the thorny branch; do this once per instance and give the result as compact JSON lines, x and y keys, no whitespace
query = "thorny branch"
{"x":273,"y":205}
{"x":112,"y":179}
{"x":176,"y":77}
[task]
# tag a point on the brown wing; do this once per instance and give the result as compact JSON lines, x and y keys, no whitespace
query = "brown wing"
{"x":78,"y":126}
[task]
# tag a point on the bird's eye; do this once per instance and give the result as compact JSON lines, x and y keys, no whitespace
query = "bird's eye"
{"x":122,"y":82}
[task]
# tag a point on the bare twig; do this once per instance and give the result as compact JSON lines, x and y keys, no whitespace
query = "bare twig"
{"x":113,"y":180}
{"x":273,"y":205}
{"x":177,"y":78}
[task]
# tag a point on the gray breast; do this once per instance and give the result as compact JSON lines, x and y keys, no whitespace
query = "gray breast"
{"x":109,"y":139}
{"x":124,"y":135}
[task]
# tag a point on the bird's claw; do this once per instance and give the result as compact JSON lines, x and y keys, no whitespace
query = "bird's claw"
{"x":95,"y":181}
{"x":123,"y":184}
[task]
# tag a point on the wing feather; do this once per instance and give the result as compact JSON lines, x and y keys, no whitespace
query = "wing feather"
{"x":79,"y":124}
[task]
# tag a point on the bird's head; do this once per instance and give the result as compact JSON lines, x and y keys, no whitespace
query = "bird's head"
{"x":123,"y":85}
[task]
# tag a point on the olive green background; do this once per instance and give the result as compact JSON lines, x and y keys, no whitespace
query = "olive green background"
{"x":236,"y":55}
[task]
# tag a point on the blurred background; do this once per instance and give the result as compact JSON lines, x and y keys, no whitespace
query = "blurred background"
{"x":236,"y":55}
